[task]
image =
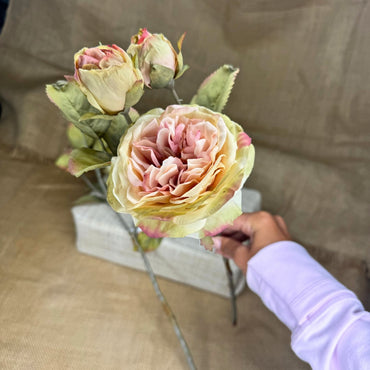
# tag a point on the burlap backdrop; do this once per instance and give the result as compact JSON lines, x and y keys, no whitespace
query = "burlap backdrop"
{"x":302,"y":94}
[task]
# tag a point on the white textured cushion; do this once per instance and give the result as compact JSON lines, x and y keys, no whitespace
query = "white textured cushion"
{"x":100,"y":234}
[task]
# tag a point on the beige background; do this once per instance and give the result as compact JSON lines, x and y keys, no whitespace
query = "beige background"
{"x":302,"y":95}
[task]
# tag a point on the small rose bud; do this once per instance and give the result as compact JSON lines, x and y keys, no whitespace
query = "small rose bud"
{"x":156,"y":58}
{"x":108,"y":78}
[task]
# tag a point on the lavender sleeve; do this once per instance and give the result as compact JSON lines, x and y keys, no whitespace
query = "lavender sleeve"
{"x":330,"y":328}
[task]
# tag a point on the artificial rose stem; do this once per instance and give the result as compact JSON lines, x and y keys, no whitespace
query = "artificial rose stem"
{"x":229,"y":274}
{"x":166,"y":307}
{"x":89,"y":183}
{"x":101,"y":182}
{"x":171,"y":86}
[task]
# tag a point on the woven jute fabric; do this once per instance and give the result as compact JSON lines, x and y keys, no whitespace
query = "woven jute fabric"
{"x":302,"y":92}
{"x":302,"y":95}
{"x":60,"y":309}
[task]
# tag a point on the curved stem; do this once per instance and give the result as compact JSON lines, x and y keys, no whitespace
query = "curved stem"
{"x":229,"y":273}
{"x":171,"y":86}
{"x":89,"y":183}
{"x":101,"y":181}
{"x":166,"y":307}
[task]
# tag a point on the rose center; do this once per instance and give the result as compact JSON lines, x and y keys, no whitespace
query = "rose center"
{"x":173,"y":156}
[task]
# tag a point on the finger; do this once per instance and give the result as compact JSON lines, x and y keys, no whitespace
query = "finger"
{"x":240,"y":226}
{"x":281,"y":223}
{"x":236,"y":235}
{"x":225,"y":246}
{"x":232,"y":249}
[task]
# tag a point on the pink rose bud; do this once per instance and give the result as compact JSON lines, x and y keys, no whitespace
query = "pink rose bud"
{"x":108,"y":78}
{"x":156,"y":58}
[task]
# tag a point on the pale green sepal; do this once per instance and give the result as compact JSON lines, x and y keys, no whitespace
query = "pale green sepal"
{"x":134,"y":94}
{"x":134,"y":115}
{"x":181,"y":40}
{"x":215,"y":90}
{"x":147,"y":243}
{"x":160,"y":76}
{"x":86,"y":159}
{"x":181,"y":71}
{"x":62,"y":161}
{"x":179,"y":57}
{"x":157,"y":228}
{"x":180,"y":68}
{"x":224,"y":217}
{"x":207,"y":242}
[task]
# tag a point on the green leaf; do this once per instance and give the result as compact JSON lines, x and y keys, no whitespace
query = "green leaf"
{"x":101,"y":145}
{"x":68,"y":97}
{"x":147,"y":243}
{"x":85,"y":159}
{"x":92,"y":115}
{"x":116,"y":130}
{"x":78,"y":139}
{"x":215,"y":90}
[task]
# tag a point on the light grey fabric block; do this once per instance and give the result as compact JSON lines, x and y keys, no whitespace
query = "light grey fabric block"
{"x":100,"y":234}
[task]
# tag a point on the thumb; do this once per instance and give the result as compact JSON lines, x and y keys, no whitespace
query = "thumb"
{"x":231,"y":248}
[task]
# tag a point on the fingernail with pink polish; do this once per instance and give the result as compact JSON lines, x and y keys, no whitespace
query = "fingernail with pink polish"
{"x":216,"y":243}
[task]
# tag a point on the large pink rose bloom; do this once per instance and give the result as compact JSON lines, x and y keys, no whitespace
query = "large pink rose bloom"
{"x":178,"y":171}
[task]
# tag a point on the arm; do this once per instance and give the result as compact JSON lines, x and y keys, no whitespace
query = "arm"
{"x":330,"y":329}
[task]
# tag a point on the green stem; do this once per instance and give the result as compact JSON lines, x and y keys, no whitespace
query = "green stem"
{"x":101,"y":181}
{"x":229,"y":273}
{"x":89,"y":183}
{"x":166,"y":307}
{"x":96,"y":192}
{"x":171,"y":86}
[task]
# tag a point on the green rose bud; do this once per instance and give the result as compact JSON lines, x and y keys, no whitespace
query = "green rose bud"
{"x":156,"y":58}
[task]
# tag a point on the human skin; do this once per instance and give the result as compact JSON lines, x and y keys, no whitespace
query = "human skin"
{"x":250,"y":233}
